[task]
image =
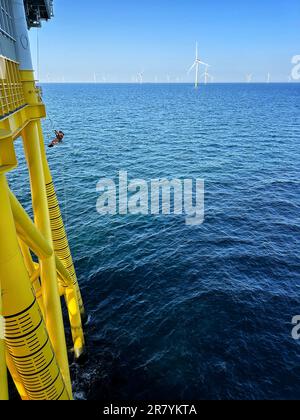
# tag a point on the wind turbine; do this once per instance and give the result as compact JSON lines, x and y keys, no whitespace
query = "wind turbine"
{"x":140,"y":76}
{"x":206,"y":75}
{"x":196,"y":65}
{"x":249,"y":78}
{"x":268,"y":78}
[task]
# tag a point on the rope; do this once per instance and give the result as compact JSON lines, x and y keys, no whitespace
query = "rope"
{"x":53,"y":128}
{"x":37,"y":54}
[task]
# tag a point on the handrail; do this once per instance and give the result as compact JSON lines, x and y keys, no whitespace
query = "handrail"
{"x":11,"y":88}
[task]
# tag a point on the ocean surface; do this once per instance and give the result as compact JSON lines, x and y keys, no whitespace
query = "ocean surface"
{"x":181,"y":312}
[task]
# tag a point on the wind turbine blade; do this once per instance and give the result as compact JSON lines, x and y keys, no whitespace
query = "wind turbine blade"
{"x":196,"y":50}
{"x":192,"y":68}
{"x":204,"y":64}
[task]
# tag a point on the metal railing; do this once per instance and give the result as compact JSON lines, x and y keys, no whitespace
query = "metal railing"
{"x":6,"y":19}
{"x":11,"y":89}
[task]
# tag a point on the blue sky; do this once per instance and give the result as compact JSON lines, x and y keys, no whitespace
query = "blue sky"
{"x":116,"y":39}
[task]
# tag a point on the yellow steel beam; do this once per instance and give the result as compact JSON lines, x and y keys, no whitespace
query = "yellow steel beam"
{"x":33,"y":238}
{"x":27,"y":230}
{"x":33,"y":272}
{"x":30,"y":235}
{"x":44,"y":238}
{"x":3,"y":370}
{"x":51,"y":297}
{"x":60,"y":239}
{"x":12,"y":125}
{"x":16,"y":377}
{"x":23,"y":321}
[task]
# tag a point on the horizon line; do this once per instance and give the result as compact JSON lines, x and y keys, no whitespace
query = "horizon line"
{"x":164,"y":83}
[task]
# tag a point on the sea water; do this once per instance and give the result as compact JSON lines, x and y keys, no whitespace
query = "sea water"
{"x":177,"y":311}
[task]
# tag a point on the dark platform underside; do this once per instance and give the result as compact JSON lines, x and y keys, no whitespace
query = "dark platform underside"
{"x":38,"y":10}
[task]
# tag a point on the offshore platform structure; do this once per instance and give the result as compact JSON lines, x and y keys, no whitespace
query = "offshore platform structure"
{"x":36,"y":266}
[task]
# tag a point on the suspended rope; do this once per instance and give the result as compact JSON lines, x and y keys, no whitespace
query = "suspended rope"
{"x":37,"y":55}
{"x":54,"y":128}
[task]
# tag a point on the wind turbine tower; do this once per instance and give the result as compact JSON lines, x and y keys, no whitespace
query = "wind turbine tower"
{"x":206,"y":75}
{"x":140,"y":77}
{"x":249,"y":78}
{"x":196,"y":65}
